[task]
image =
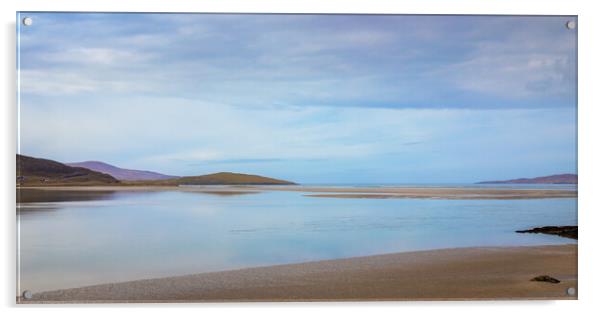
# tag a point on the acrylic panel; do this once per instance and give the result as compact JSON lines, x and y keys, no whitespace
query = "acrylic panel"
{"x":295,"y":157}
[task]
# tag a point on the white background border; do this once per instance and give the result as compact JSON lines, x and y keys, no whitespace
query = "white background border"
{"x":590,"y":135}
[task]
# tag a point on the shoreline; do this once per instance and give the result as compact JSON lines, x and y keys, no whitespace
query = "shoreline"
{"x":341,"y":192}
{"x":482,"y":273}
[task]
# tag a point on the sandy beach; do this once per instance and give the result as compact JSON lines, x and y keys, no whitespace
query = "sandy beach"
{"x":346,"y":192}
{"x":462,"y":273}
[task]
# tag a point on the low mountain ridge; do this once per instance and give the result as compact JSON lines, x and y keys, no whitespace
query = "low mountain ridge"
{"x":37,"y":171}
{"x":230,"y":178}
{"x":121,"y":173}
{"x":566,"y":178}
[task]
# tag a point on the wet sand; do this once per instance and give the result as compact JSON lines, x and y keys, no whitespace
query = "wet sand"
{"x":347,"y":192}
{"x":462,"y":273}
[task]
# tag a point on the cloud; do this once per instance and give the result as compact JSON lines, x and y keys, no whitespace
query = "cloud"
{"x":514,"y":76}
{"x":90,"y":56}
{"x":519,"y":67}
{"x":337,"y":61}
{"x":72,"y":82}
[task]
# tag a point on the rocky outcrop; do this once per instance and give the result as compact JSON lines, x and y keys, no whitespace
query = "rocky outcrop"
{"x":563,"y":231}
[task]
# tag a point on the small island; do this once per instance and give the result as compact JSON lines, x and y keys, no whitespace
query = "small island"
{"x":567,"y":178}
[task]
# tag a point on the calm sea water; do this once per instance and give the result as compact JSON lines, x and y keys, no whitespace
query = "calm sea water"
{"x":71,"y":239}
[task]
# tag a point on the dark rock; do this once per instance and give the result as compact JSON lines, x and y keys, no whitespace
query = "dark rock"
{"x":545,"y":278}
{"x":563,"y":231}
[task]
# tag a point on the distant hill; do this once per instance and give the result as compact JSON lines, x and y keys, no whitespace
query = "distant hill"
{"x":36,"y":171}
{"x":229,"y":178}
{"x":120,"y":173}
{"x":567,"y":178}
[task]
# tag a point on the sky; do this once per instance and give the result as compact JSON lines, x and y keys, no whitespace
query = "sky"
{"x":307,"y":98}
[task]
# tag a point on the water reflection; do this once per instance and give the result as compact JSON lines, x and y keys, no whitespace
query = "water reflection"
{"x":95,"y":237}
{"x":40,"y":195}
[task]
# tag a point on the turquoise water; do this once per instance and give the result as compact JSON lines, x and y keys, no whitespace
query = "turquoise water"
{"x":71,"y":239}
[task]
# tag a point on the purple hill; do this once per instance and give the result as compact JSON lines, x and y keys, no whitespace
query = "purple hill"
{"x":120,"y":173}
{"x":567,"y":178}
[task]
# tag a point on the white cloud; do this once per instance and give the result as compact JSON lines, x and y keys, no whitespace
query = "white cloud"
{"x":529,"y":62}
{"x":513,"y":75}
{"x":90,"y":56}
{"x":55,"y":82}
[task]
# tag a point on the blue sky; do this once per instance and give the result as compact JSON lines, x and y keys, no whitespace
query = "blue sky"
{"x":309,"y":98}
